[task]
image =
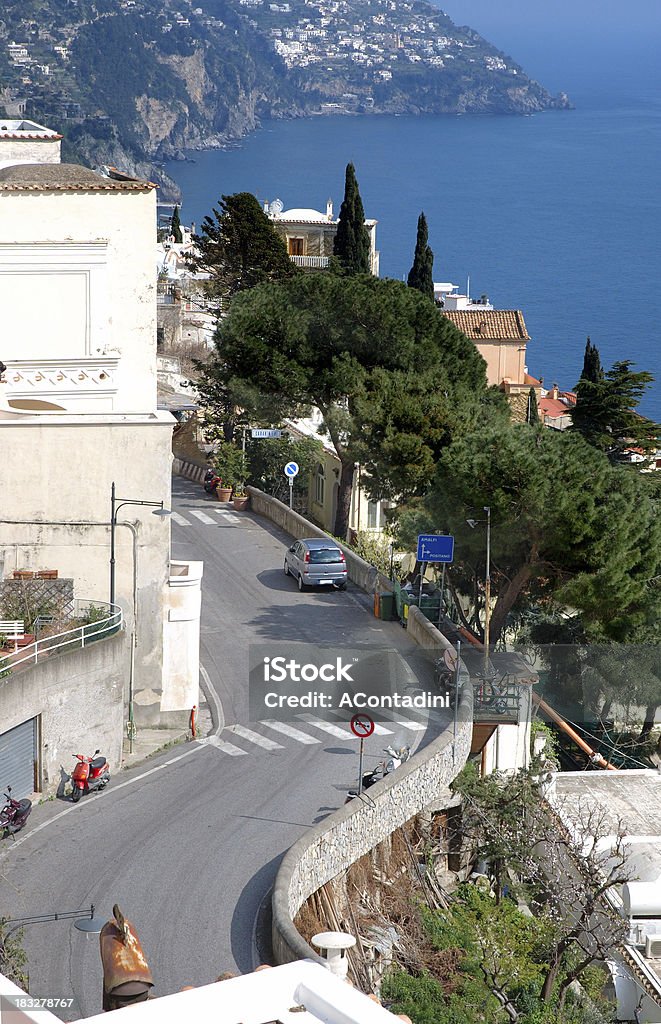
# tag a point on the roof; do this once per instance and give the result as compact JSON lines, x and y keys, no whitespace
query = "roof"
{"x":305,"y":216}
{"x":553,"y":407}
{"x":486,"y":324}
{"x":26,"y":131}
{"x":64,"y":178}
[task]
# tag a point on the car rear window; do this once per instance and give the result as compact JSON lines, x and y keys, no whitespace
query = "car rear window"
{"x":325,"y":555}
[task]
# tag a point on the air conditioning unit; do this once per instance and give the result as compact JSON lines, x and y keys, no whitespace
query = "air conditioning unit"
{"x":653,"y":947}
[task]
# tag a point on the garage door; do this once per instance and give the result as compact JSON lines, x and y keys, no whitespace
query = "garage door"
{"x":18,"y":754}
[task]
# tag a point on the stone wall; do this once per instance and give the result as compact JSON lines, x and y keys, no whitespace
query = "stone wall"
{"x":341,"y":839}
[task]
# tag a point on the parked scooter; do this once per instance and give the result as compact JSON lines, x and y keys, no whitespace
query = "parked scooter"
{"x":90,"y":774}
{"x":397,"y":757}
{"x":13,"y":815}
{"x":211,"y":481}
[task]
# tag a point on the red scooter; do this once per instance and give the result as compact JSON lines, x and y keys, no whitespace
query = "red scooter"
{"x":13,"y":815}
{"x":90,"y":774}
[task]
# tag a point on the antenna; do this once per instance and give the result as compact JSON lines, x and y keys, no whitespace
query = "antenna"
{"x":468,"y":287}
{"x":276,"y":207}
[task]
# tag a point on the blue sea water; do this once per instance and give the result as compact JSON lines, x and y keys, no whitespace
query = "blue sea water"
{"x":556,"y":214}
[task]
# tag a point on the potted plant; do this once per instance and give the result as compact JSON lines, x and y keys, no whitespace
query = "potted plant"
{"x":229,"y":465}
{"x":240,"y":499}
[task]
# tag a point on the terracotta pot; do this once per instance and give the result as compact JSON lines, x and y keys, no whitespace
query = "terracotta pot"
{"x":223,"y":493}
{"x":46,"y":574}
{"x":23,"y":574}
{"x":240,"y":504}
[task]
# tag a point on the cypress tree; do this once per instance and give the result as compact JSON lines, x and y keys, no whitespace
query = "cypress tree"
{"x":532,"y":413}
{"x":175,"y":226}
{"x":592,"y":368}
{"x":352,"y":240}
{"x":421,"y":274}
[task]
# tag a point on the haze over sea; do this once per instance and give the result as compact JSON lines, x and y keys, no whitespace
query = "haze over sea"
{"x":555,"y":214}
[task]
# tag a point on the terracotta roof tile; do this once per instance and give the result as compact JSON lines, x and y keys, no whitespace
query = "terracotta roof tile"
{"x":489,"y":324}
{"x":63,"y":178}
{"x":552,"y":407}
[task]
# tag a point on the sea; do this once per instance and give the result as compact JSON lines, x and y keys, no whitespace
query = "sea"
{"x":556,"y":214}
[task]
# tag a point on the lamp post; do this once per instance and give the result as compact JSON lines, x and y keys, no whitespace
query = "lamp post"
{"x":84,"y":921}
{"x":487,"y":585}
{"x":115,"y":505}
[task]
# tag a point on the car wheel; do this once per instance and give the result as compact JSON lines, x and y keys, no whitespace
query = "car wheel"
{"x":301,"y":584}
{"x":286,"y":567}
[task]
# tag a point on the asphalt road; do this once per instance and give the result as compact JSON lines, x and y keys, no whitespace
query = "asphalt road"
{"x":189,"y":843}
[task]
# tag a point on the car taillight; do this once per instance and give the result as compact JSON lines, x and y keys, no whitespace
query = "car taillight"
{"x":307,"y":556}
{"x":342,"y":558}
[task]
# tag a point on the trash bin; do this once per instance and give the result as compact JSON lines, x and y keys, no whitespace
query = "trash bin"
{"x":386,"y":606}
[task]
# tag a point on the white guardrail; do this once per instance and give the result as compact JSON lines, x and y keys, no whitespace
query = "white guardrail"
{"x":109,"y":621}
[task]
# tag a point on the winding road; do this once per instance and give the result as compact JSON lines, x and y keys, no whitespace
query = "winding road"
{"x":189,"y":842}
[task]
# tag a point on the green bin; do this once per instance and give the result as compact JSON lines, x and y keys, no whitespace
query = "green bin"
{"x":386,"y":606}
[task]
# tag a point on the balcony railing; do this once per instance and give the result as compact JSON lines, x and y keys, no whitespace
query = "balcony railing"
{"x":496,"y":699}
{"x":106,"y":620}
{"x":311,"y":262}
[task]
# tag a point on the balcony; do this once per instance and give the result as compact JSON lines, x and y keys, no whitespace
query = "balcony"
{"x":311,"y":262}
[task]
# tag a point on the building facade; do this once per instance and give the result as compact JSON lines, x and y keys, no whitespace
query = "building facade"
{"x":309,"y":235}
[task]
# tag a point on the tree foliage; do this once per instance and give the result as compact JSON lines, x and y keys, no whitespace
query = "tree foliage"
{"x":175,"y":226}
{"x":592,"y":368}
{"x":352,"y":241}
{"x":605,"y":411}
{"x":421,"y":274}
{"x":532,"y":412}
{"x":568,"y":527}
{"x":392,"y":379}
{"x":267,"y":459}
{"x":239,"y":247}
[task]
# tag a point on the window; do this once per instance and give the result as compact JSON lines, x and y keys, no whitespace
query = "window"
{"x":296,"y":246}
{"x":320,"y":485}
{"x":372,"y":515}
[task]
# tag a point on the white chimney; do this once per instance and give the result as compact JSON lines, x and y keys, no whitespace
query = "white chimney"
{"x":333,"y":947}
{"x":329,"y":209}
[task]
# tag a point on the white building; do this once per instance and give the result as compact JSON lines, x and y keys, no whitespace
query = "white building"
{"x":78,"y":412}
{"x":309,"y":234}
{"x":24,"y":142}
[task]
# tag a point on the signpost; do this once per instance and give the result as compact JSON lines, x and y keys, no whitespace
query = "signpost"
{"x":362,"y":726}
{"x":434,"y":547}
{"x":259,"y":432}
{"x":291,"y":470}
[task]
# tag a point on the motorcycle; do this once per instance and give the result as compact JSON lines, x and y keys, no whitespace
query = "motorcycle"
{"x":397,"y":757}
{"x":13,"y":815}
{"x":89,"y":775}
{"x":211,"y":481}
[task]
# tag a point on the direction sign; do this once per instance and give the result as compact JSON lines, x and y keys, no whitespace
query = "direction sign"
{"x":362,"y":726}
{"x":291,"y":469}
{"x":435,"y":547}
{"x":259,"y":432}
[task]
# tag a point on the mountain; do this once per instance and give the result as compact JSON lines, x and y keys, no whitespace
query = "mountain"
{"x":135,"y":82}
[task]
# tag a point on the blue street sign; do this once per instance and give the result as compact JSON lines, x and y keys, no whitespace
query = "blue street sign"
{"x":291,"y":469}
{"x":258,"y":432}
{"x":435,"y":547}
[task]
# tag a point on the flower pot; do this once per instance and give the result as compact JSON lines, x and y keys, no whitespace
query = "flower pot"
{"x":223,"y":493}
{"x":241,"y":503}
{"x":23,"y":574}
{"x":46,"y":574}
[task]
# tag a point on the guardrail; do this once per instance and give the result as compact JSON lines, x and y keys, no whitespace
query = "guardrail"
{"x":108,"y":623}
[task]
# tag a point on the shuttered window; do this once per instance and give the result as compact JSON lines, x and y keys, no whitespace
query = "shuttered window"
{"x":18,"y":756}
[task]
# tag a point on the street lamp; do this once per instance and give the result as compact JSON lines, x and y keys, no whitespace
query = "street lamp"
{"x":115,"y":505}
{"x":487,"y":584}
{"x":84,"y":921}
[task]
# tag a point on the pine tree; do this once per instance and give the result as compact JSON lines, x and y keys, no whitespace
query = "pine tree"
{"x":605,"y":411}
{"x":421,"y":274}
{"x":352,"y":240}
{"x":592,"y":368}
{"x":532,"y":412}
{"x":175,"y":226}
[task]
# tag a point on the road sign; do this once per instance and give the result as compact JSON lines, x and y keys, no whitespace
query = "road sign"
{"x":435,"y":547}
{"x":258,"y":432}
{"x":362,"y":726}
{"x":291,"y":469}
{"x":450,"y":659}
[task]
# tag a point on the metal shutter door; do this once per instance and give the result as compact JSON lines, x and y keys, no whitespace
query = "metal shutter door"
{"x":17,"y":759}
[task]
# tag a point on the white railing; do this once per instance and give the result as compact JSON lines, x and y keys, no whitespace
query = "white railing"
{"x":106,"y":620}
{"x":311,"y":262}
